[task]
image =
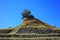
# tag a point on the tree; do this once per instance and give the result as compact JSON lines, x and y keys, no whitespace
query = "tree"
{"x":27,"y":14}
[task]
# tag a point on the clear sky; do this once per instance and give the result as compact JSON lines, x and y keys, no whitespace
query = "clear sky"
{"x":45,"y":10}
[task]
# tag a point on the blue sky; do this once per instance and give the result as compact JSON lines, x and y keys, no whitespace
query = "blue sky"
{"x":45,"y":10}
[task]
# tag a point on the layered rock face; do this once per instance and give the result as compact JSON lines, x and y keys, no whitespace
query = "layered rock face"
{"x":30,"y":29}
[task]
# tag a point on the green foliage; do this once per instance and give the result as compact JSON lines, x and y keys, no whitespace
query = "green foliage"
{"x":9,"y":27}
